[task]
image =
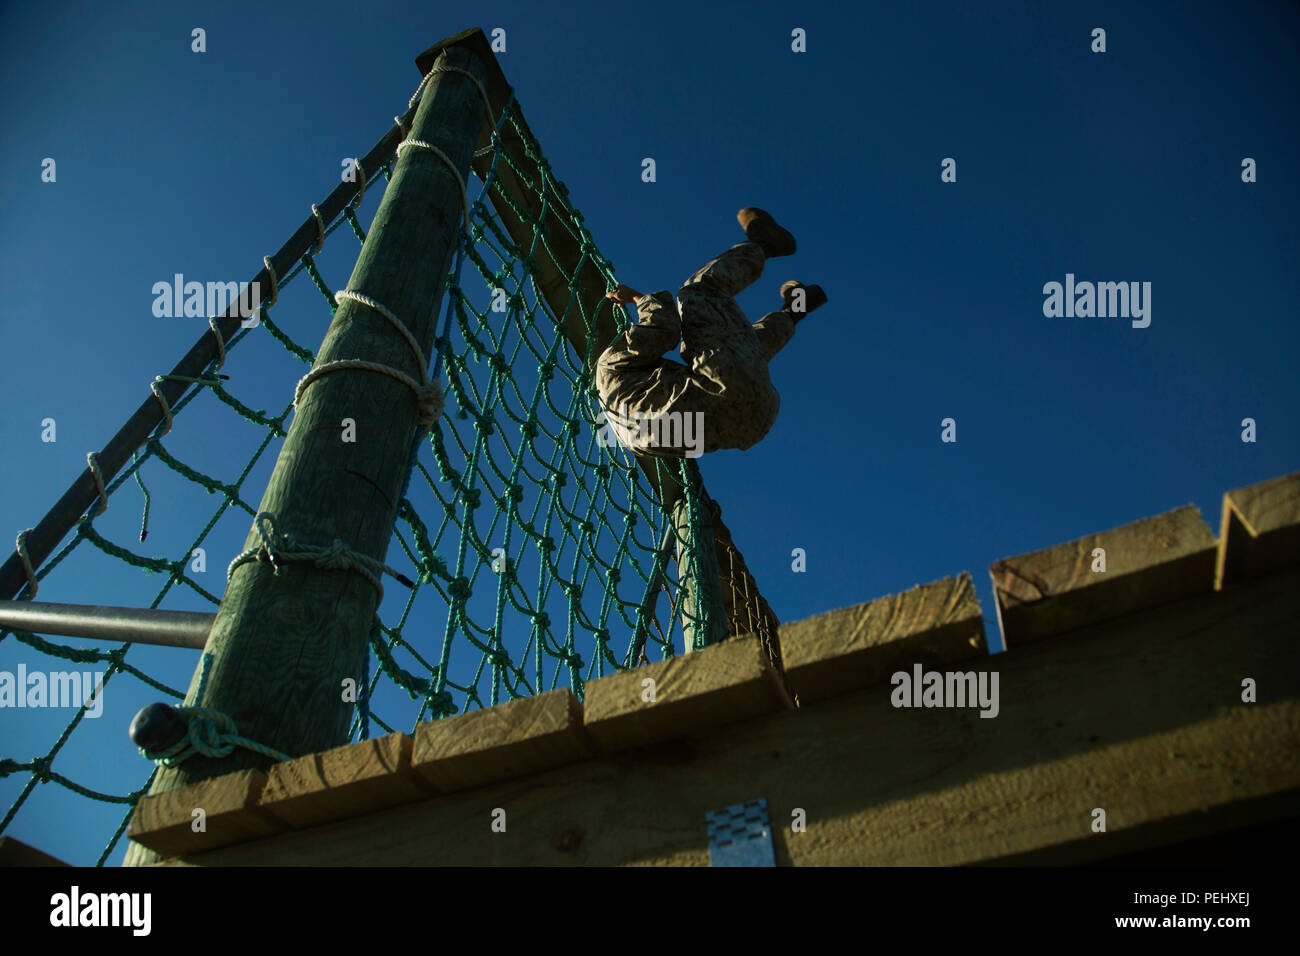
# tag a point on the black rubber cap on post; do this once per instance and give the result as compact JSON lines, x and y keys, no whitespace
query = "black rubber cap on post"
{"x":157,"y":727}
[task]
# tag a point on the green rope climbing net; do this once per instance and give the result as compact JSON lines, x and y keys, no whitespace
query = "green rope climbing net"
{"x":531,"y":542}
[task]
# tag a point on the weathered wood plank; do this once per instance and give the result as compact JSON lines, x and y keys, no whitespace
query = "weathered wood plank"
{"x":1260,"y":530}
{"x":344,"y":782}
{"x":1142,"y":717}
{"x":1148,"y":562}
{"x":685,"y":695}
{"x":16,"y":853}
{"x":164,"y":822}
{"x":858,"y":646}
{"x":510,"y":740}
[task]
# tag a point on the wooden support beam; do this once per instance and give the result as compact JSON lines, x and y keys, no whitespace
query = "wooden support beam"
{"x":1260,"y":530}
{"x":16,"y":853}
{"x":344,"y":782}
{"x":1147,"y":563}
{"x":283,"y":641}
{"x":511,"y":740}
{"x":704,"y":618}
{"x":165,"y":822}
{"x":686,"y":695}
{"x":1140,"y":716}
{"x":932,"y":624}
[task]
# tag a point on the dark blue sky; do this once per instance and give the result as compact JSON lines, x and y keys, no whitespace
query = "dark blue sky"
{"x":1122,"y":166}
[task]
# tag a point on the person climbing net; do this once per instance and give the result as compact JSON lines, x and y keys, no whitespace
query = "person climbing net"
{"x":723,"y":396}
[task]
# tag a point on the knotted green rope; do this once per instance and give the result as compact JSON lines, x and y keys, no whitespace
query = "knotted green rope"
{"x":208,"y":732}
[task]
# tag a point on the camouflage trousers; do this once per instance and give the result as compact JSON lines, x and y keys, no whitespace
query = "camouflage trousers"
{"x":723,"y":397}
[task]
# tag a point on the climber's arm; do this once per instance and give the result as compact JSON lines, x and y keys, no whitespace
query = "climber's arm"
{"x":623,"y":295}
{"x":658,"y":331}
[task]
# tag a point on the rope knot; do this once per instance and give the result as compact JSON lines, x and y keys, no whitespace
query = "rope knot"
{"x":207,"y":731}
{"x":336,"y":557}
{"x":270,"y":535}
{"x":430,"y":405}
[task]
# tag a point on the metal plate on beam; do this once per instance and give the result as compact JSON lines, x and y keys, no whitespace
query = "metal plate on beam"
{"x":741,"y":835}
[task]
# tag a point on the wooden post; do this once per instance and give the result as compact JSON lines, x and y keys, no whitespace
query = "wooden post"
{"x":705,"y":595}
{"x":283,"y":644}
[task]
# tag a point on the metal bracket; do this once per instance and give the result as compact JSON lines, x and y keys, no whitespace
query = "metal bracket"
{"x":741,"y":835}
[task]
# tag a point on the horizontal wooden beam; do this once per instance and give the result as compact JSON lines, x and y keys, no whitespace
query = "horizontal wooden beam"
{"x":1260,"y":530}
{"x":859,"y":646}
{"x":695,"y":693}
{"x":1141,"y":717}
{"x":344,"y":782}
{"x":171,"y":823}
{"x":513,"y":739}
{"x":1063,"y":588}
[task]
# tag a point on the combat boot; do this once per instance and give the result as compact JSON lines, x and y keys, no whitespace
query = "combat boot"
{"x":761,"y":228}
{"x":813,"y":298}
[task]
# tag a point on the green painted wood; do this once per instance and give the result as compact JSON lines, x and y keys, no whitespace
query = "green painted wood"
{"x":706,"y":592}
{"x":283,"y":645}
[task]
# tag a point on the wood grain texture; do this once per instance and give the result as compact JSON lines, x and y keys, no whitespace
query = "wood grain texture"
{"x":1148,"y":563}
{"x":726,"y":682}
{"x":344,"y":782}
{"x":163,"y":822}
{"x":859,"y":646}
{"x":1259,"y":530}
{"x":284,"y":642}
{"x":510,"y":740}
{"x":1141,"y":716}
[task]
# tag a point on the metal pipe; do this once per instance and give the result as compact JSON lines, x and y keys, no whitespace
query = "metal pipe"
{"x":100,"y":623}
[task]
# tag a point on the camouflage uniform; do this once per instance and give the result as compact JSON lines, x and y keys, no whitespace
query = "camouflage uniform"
{"x":726,"y":389}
